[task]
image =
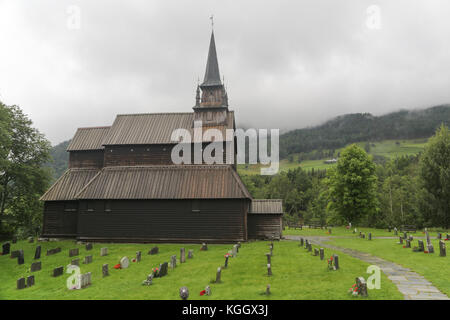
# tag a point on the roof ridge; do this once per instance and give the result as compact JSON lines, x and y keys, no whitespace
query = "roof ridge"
{"x":151,"y":113}
{"x":98,"y":127}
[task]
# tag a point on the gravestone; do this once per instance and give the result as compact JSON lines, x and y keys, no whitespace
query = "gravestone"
{"x":88,"y":246}
{"x":448,"y":237}
{"x":14,"y":240}
{"x":329,"y":230}
{"x":218,"y":274}
{"x":163,"y":267}
{"x":105,"y":271}
{"x":75,"y":262}
{"x":362,"y":286}
{"x":309,"y":247}
{"x":411,"y":238}
{"x":271,"y":249}
{"x":269,"y":269}
{"x":53,"y":251}
{"x":360,"y":234}
{"x":316,"y":252}
{"x":21,"y":257}
{"x":237,"y":248}
{"x":268,"y":289}
{"x":85,"y":280}
{"x":103,"y":252}
{"x":269,"y":258}
{"x":400,"y":240}
{"x":301,"y":242}
{"x":190,"y":254}
{"x":363,"y":235}
{"x":173,"y":261}
{"x":138,"y":256}
{"x":370,"y":236}
{"x":306,"y":244}
{"x":184,"y":293}
{"x":442,"y":249}
{"x":322,"y":253}
{"x":6,"y":248}
{"x":15,"y":254}
{"x":395,"y":231}
{"x":149,"y":280}
{"x":208,"y":290}
{"x":58,"y":271}
{"x":124,"y":262}
{"x":204,"y":247}
{"x":87,"y":259}
{"x":439,"y":236}
{"x":182,"y":255}
{"x":36,"y":266}
{"x":30,"y":281}
{"x":73,"y":252}
{"x":430,"y":247}
{"x":153,"y":250}
{"x":421,"y":247}
{"x":408,"y":243}
{"x":37,"y":253}
{"x":336,"y":261}
{"x":233,"y":251}
{"x":21,"y":283}
{"x":226,"y":261}
{"x":405,"y":235}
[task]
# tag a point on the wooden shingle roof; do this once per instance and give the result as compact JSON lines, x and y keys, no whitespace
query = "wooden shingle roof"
{"x":166,"y":182}
{"x":88,"y":139}
{"x":69,"y":184}
{"x":267,"y":206}
{"x":154,"y":128}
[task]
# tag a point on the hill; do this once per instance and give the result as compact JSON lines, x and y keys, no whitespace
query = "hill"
{"x":358,"y":127}
{"x":60,"y":159}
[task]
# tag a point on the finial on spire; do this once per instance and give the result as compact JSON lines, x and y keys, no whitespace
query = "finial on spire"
{"x":212,"y":21}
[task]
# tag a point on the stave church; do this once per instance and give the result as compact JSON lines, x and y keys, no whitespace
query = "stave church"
{"x":122,"y":185}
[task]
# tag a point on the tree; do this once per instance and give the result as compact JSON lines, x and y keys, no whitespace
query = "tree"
{"x":352,"y":185}
{"x":435,"y":174}
{"x":23,"y":151}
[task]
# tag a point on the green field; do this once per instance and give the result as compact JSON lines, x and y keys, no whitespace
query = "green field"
{"x":387,"y":148}
{"x":296,"y":273}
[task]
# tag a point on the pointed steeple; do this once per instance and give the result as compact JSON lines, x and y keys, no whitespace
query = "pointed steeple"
{"x":212,"y":75}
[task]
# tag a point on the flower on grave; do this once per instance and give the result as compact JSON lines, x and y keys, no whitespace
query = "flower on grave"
{"x":404,"y":246}
{"x":117,"y":266}
{"x":227,"y":255}
{"x":134,"y":260}
{"x":425,"y":252}
{"x":203,"y":292}
{"x":155,"y":270}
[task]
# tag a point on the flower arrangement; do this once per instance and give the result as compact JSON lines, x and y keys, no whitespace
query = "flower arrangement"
{"x":330,"y":262}
{"x":134,"y":260}
{"x":203,"y":292}
{"x":425,"y":251}
{"x":354,"y":290}
{"x":117,"y":266}
{"x":227,"y":255}
{"x":155,"y":271}
{"x":404,"y":246}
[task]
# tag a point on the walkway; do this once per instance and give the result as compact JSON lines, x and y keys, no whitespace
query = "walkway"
{"x":412,"y":285}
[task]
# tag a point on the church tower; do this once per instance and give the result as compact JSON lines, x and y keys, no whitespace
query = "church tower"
{"x":212,"y":102}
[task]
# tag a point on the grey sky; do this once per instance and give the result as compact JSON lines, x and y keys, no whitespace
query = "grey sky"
{"x":287,"y":64}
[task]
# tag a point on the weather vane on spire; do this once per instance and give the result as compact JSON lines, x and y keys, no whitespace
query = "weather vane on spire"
{"x":212,"y":21}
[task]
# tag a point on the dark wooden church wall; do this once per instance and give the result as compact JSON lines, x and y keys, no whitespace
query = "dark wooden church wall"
{"x":136,"y":155}
{"x":60,"y":218}
{"x":164,"y":220}
{"x":86,"y":159}
{"x":264,"y":226}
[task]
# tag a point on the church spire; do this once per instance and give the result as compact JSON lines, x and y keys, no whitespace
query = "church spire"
{"x":212,"y":74}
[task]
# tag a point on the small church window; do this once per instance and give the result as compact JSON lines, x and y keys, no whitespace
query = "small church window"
{"x":90,"y":206}
{"x":108,"y":206}
{"x":195,"y":205}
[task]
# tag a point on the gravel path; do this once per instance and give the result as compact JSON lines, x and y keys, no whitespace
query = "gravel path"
{"x":412,"y":285}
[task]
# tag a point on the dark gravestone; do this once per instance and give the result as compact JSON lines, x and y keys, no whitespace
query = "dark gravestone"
{"x":204,"y":247}
{"x":301,"y":242}
{"x":184,"y":293}
{"x":405,"y":235}
{"x":36,"y":266}
{"x":190,"y":254}
{"x":53,"y":251}
{"x":153,"y":250}
{"x":321,"y":253}
{"x":448,"y":237}
{"x":21,"y":283}
{"x":14,"y":240}
{"x":268,"y":289}
{"x":30,"y":281}
{"x":89,"y":246}
{"x":182,"y":255}
{"x":408,"y":243}
{"x":105,"y":271}
{"x":269,"y":269}
{"x":430,"y":247}
{"x":316,"y":252}
{"x":370,"y":236}
{"x":336,"y":261}
{"x":361,"y":286}
{"x":309,"y":247}
{"x":87,"y":259}
{"x":306,"y":244}
{"x":439,"y":236}
{"x":58,"y":271}
{"x":6,"y":248}
{"x":400,"y":240}
{"x":74,"y":252}
{"x":269,"y":258}
{"x":37,"y":253}
{"x":21,"y":257}
{"x":138,"y":256}
{"x":226,"y":260}
{"x":75,"y":262}
{"x":15,"y":254}
{"x":363,"y":235}
{"x":442,"y":249}
{"x":163,"y":267}
{"x":421,"y":247}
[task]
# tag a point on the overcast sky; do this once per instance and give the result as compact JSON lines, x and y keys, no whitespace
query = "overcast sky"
{"x":287,"y":64}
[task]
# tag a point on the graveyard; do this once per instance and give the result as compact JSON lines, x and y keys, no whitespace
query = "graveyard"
{"x":296,"y":272}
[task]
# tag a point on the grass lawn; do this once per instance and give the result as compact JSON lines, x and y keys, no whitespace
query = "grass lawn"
{"x":433,"y":267}
{"x":296,"y":273}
